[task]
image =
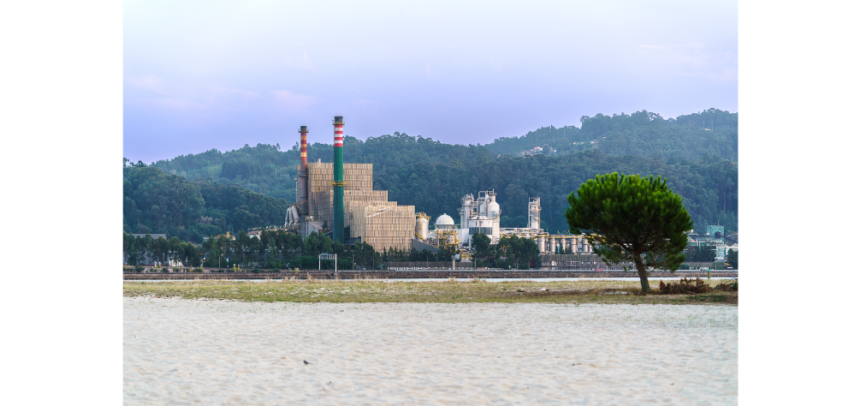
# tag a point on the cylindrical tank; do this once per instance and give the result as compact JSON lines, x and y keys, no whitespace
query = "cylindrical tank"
{"x":552,"y":245}
{"x":541,"y":243}
{"x":422,"y":226}
{"x":466,"y":210}
{"x":534,"y":212}
{"x":480,"y":224}
{"x":494,"y":213}
{"x":493,"y":210}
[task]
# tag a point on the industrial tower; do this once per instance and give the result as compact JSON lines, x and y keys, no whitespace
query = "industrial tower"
{"x":338,"y":182}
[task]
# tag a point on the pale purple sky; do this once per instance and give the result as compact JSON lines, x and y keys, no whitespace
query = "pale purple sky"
{"x":220,"y":74}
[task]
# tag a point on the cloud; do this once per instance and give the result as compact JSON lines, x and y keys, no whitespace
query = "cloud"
{"x":294,"y":101}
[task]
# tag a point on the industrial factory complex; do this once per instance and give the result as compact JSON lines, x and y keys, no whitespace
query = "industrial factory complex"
{"x":338,"y":199}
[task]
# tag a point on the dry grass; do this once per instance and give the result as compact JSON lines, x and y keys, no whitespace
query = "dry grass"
{"x":475,"y":291}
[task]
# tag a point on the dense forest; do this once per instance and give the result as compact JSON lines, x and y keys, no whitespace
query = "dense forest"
{"x":158,"y":202}
{"x":711,"y":132}
{"x":267,"y":170}
{"x":697,"y":153}
{"x":708,"y":186}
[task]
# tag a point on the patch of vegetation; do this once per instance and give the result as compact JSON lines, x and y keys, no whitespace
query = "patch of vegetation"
{"x":382,"y":291}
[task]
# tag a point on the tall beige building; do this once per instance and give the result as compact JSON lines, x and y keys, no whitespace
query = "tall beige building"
{"x":367,"y":212}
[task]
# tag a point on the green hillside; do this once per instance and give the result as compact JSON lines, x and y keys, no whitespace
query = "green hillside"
{"x":697,"y":153}
{"x":157,"y":202}
{"x":712,"y":132}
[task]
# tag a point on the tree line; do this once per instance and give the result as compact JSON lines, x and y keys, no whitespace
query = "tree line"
{"x":278,"y":249}
{"x":270,"y":249}
{"x":148,"y":251}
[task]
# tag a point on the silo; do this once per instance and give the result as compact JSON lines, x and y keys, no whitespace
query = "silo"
{"x":534,"y":212}
{"x":338,"y":179}
{"x":494,"y":212}
{"x":422,"y":226}
{"x":466,"y":210}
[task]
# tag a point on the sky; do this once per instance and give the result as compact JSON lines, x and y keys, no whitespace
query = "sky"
{"x":218,"y":74}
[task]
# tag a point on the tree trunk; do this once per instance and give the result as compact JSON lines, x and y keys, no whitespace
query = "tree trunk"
{"x":643,"y":274}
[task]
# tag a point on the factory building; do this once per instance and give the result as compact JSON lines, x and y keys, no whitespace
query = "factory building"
{"x":338,"y":198}
{"x":482,"y":215}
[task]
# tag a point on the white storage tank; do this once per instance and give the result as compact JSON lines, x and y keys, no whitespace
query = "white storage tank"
{"x":480,"y":224}
{"x":494,"y":213}
{"x":422,"y":226}
{"x":467,"y":204}
{"x":445,"y":222}
{"x":534,"y":212}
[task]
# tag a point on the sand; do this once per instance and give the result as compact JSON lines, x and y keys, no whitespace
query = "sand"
{"x":207,"y":352}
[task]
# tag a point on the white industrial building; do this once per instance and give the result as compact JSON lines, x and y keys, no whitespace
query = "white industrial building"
{"x":482,"y":215}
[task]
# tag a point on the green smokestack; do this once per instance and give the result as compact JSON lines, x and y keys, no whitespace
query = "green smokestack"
{"x":338,"y":179}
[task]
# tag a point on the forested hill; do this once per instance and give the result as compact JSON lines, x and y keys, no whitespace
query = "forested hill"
{"x":156,"y":202}
{"x":697,"y":153}
{"x":712,"y":132}
{"x":271,"y":171}
{"x":708,"y":186}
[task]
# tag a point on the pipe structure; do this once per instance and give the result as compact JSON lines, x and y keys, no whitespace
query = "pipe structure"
{"x":338,"y":179}
{"x":303,"y":171}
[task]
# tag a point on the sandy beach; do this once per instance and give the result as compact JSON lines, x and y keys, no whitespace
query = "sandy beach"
{"x":179,"y":351}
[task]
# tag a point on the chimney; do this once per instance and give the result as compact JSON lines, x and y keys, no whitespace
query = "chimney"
{"x":303,"y":172}
{"x":338,"y":179}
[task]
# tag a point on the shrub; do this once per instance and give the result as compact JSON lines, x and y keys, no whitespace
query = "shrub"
{"x":685,"y":285}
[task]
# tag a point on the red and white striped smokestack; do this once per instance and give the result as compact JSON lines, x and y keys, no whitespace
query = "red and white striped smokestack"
{"x":338,"y":132}
{"x":338,"y":183}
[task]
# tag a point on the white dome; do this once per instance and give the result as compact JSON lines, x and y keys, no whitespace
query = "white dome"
{"x":444,"y":220}
{"x":493,"y":209}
